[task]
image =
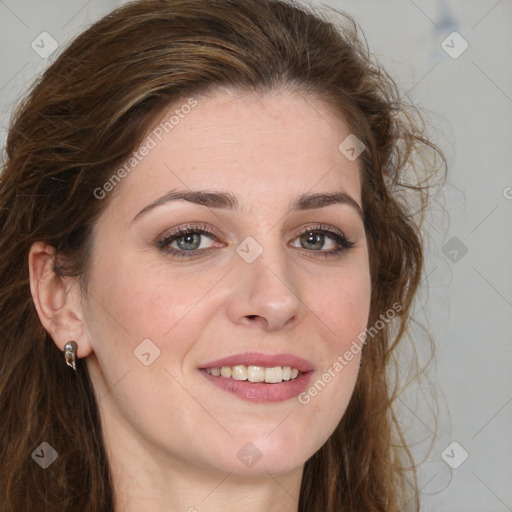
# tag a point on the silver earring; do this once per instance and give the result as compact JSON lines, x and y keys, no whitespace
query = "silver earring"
{"x":70,"y":354}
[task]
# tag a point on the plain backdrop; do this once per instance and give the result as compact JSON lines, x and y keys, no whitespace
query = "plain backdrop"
{"x":453,"y":59}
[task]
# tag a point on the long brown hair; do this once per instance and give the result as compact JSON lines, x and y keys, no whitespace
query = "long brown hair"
{"x":84,"y":117}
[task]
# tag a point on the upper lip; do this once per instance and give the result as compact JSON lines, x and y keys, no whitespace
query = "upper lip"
{"x":257,"y":359}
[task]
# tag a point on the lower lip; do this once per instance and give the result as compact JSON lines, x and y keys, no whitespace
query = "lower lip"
{"x":262,"y":392}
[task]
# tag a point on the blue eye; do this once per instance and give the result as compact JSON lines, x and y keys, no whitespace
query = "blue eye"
{"x":189,"y":241}
{"x":192,"y":241}
{"x":316,"y":239}
{"x":186,"y":241}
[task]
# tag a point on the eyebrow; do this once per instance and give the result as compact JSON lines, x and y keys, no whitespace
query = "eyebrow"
{"x":227,"y":200}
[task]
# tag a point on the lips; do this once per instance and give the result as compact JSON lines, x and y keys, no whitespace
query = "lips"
{"x":257,"y":359}
{"x":262,"y":392}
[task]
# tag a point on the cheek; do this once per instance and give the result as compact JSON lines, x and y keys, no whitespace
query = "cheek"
{"x":147,"y":301}
{"x":342,"y":309}
{"x":342,"y":312}
{"x":342,"y":305}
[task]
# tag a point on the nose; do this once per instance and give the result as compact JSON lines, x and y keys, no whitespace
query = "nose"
{"x":265,"y":293}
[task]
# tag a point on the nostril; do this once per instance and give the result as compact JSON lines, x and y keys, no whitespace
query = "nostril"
{"x":256,"y":320}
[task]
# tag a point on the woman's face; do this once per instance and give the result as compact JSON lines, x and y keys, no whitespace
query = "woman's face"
{"x":260,"y":274}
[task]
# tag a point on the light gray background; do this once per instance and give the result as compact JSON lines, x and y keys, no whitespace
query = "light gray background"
{"x":467,"y":298}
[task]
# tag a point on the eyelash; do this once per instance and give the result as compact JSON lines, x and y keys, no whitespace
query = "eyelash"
{"x":337,"y":236}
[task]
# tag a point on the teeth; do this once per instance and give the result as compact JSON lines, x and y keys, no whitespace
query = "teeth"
{"x":238,"y":373}
{"x":256,"y":374}
{"x":274,"y":374}
{"x":225,"y":371}
{"x":271,"y":375}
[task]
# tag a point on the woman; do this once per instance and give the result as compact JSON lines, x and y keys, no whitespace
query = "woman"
{"x":207,"y":268}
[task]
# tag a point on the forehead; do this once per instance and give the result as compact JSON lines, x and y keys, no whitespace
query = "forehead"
{"x":265,"y":148}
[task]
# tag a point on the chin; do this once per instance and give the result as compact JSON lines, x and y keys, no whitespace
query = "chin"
{"x":270,"y":464}
{"x":261,"y":454}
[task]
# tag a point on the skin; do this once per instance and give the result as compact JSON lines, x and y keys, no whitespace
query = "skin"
{"x":172,"y":437}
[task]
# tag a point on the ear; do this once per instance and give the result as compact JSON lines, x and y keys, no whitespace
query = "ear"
{"x":58,"y":300}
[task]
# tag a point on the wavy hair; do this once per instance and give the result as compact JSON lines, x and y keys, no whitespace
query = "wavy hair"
{"x":83,"y":118}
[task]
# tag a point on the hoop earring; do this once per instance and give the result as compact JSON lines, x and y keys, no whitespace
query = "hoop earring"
{"x":70,"y":354}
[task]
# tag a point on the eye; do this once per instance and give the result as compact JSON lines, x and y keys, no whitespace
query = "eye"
{"x":185,"y":241}
{"x":189,"y":241}
{"x":323,"y":239}
{"x":315,"y":240}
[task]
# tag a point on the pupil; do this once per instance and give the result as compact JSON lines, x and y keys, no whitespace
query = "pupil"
{"x":191,"y":239}
{"x":314,"y":239}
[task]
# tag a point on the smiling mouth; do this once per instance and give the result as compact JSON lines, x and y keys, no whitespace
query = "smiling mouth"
{"x":270,"y":375}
